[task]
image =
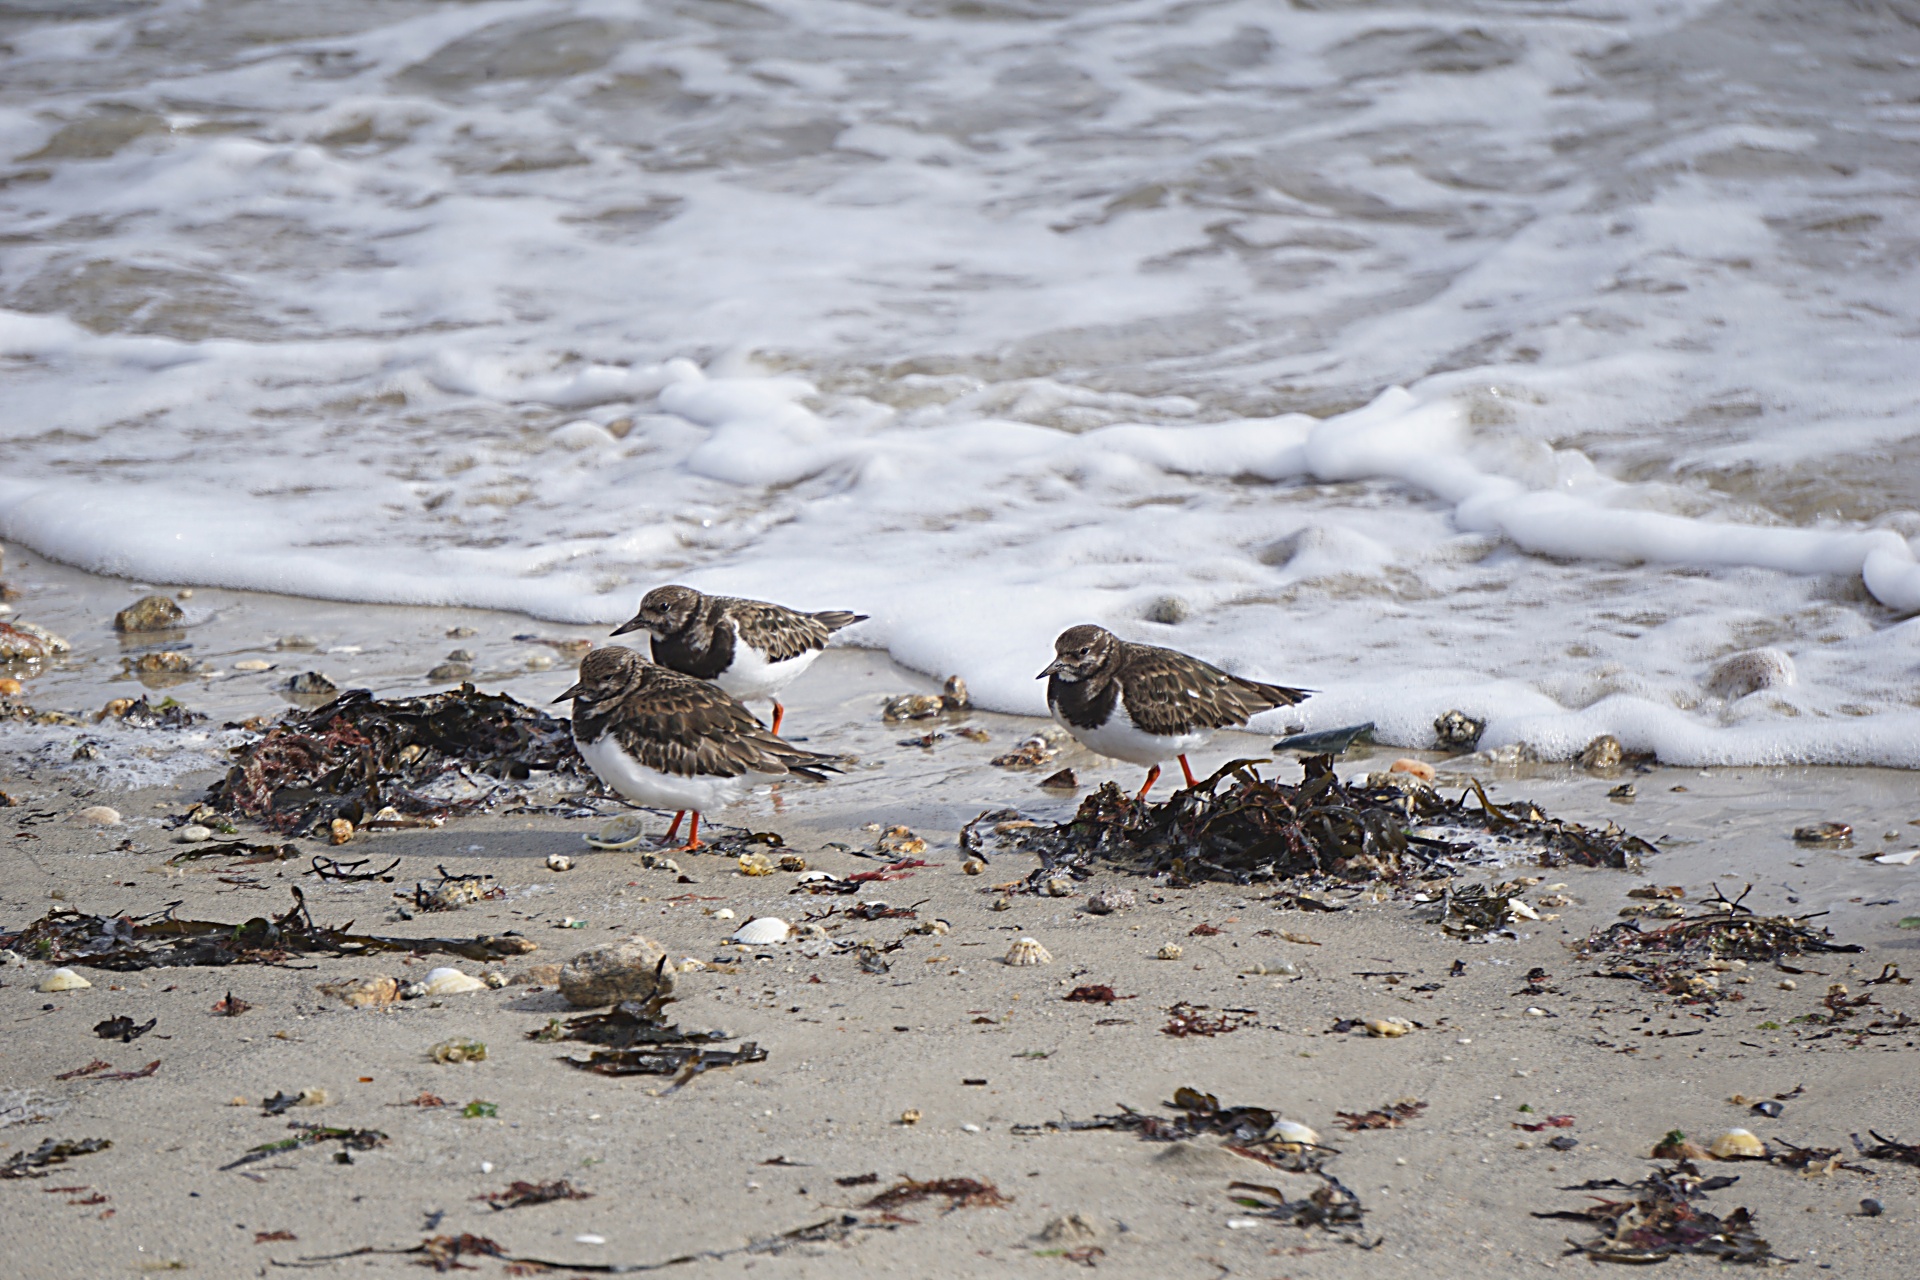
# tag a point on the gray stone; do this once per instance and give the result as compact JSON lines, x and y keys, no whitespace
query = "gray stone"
{"x":629,"y":969}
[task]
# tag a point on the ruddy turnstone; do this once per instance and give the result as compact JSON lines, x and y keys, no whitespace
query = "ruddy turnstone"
{"x":1140,"y":703}
{"x":750,"y":648}
{"x":668,"y":740}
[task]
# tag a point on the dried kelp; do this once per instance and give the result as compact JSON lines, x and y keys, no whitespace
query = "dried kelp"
{"x":40,"y":1161}
{"x":1185,"y":1019}
{"x":1389,"y":1116}
{"x":520,"y":1194}
{"x":639,"y":1041}
{"x":359,"y":754}
{"x":1885,"y":1148}
{"x":959,"y":1193}
{"x":1238,"y":827}
{"x":1661,"y":1217}
{"x":308,"y":1135}
{"x":1246,"y":1129}
{"x":163,"y":941}
{"x":1331,"y":1206}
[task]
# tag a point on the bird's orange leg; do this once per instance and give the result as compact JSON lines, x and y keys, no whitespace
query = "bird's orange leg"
{"x":1188,"y":770}
{"x":693,"y":835}
{"x":1153,"y":776}
{"x":674,"y":829}
{"x":779,"y":714}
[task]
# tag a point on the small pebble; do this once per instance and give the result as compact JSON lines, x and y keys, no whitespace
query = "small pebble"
{"x":193,"y":834}
{"x":253,"y":664}
{"x":1871,"y":1208}
{"x":1788,"y":984}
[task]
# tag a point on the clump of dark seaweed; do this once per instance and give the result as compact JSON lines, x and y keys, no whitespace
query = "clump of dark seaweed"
{"x":1661,"y":1216}
{"x":637,"y":1040}
{"x":1330,"y":1206}
{"x":359,"y":754}
{"x":1239,"y":827}
{"x":163,"y":940}
{"x":1671,"y":959}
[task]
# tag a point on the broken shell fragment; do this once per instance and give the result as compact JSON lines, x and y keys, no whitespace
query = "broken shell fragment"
{"x":1170,"y":951}
{"x":62,"y":980}
{"x":1025,"y":951}
{"x":362,"y":993}
{"x":1291,"y":1135}
{"x":1110,"y":900}
{"x":792,"y":862}
{"x":910,"y":1116}
{"x":755,"y":864}
{"x":622,"y":832}
{"x":1388,"y":1027}
{"x":451,"y":982}
{"x":559,"y":862}
{"x":762,"y":931}
{"x":459,"y":1049}
{"x":339,"y":831}
{"x":973,"y":866}
{"x":99,"y":815}
{"x":1737,"y":1144}
{"x":1059,"y":887}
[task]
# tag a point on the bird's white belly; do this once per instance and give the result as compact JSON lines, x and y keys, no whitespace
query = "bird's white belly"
{"x":1120,"y":738}
{"x":658,"y":790}
{"x":751,"y":675}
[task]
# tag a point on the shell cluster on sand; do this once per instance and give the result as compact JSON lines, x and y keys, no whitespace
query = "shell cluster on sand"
{"x":1025,"y":951}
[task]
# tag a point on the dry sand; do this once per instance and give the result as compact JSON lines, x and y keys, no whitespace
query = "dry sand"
{"x":748,"y":1153}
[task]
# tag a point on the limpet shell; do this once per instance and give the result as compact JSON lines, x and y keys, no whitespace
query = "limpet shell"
{"x":62,"y":980}
{"x":1737,"y":1144}
{"x":762,"y":931}
{"x":1026,"y":951}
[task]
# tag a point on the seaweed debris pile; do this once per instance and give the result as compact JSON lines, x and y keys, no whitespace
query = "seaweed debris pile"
{"x":1684,"y":958}
{"x":164,"y":941}
{"x":456,"y":751}
{"x":1660,"y":1217}
{"x":1258,"y":829}
{"x":637,"y":1040}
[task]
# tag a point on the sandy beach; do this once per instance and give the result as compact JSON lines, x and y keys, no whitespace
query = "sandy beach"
{"x":982,"y":1051}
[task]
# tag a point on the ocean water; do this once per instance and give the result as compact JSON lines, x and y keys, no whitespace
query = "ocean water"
{"x":1525,"y":358}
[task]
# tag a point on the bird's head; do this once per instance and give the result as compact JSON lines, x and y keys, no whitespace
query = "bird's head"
{"x":664,"y":611}
{"x":605,"y":675}
{"x":1080,"y":652}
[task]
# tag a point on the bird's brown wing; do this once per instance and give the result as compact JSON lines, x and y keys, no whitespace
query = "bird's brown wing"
{"x":681,"y":725}
{"x":837,"y":619}
{"x":1168,"y":692}
{"x":775,"y":630}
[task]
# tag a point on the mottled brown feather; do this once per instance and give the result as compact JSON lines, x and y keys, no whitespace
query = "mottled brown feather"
{"x":780,"y":632}
{"x":1165,"y":691}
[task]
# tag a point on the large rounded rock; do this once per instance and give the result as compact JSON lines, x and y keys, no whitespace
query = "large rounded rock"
{"x":152,"y":613}
{"x":629,"y":969}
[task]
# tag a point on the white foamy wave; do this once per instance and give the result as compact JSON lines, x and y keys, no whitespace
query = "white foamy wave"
{"x":985,"y":323}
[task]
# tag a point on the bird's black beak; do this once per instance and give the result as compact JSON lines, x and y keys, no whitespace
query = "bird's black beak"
{"x":631,"y":624}
{"x":1053,"y":669}
{"x":573,"y":691}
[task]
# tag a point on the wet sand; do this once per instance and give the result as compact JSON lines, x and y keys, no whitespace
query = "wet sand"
{"x":754,"y":1151}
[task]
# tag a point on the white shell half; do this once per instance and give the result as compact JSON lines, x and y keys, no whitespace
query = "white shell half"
{"x":1388,"y":1027}
{"x":1737,"y":1144}
{"x":62,"y":980}
{"x":762,"y":931}
{"x":1028,"y":951}
{"x":622,"y":832}
{"x":1293,"y":1133}
{"x":451,"y":982}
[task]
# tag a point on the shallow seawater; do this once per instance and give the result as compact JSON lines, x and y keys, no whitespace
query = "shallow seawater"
{"x":1524,"y":359}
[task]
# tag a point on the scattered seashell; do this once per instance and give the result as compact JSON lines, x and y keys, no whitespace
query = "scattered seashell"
{"x":9,"y":687}
{"x":1518,"y":910}
{"x":1025,"y":951}
{"x":1458,"y":731}
{"x":1031,"y":753}
{"x":151,"y":613}
{"x":762,"y":931}
{"x":973,"y":866}
{"x":1064,"y":780}
{"x":724,"y":913}
{"x":451,"y":982}
{"x":25,"y":642}
{"x":559,"y":862}
{"x":1737,"y":676}
{"x":792,"y":862}
{"x":1001,"y":904}
{"x":1737,"y":1144}
{"x":1418,"y":768}
{"x":494,"y":979}
{"x":655,"y":862}
{"x":910,"y":1116}
{"x":339,"y":831}
{"x":362,"y":993}
{"x":253,"y":664}
{"x":755,"y":864}
{"x":938,"y":928}
{"x":622,"y":832}
{"x":1170,"y":951}
{"x":1388,"y":1027}
{"x":1059,"y":887}
{"x":899,"y":842}
{"x":1824,"y":833}
{"x":1905,"y":858}
{"x":1275,"y":969}
{"x":814,"y":877}
{"x":193,"y":834}
{"x":62,"y":980}
{"x":99,"y":815}
{"x":1110,"y":900}
{"x":1291,"y":1135}
{"x":459,"y":1049}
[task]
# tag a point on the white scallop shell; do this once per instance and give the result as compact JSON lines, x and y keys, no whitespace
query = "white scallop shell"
{"x":1291,"y":1133}
{"x":762,"y":931}
{"x":450,"y":982}
{"x":62,"y":980}
{"x":1028,"y":951}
